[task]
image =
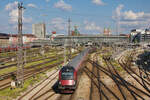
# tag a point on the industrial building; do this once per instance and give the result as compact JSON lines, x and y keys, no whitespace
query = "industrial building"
{"x":12,"y":39}
{"x":39,"y":30}
{"x":139,"y":35}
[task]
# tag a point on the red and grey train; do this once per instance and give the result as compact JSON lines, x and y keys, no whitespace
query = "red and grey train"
{"x":69,"y":73}
{"x":12,"y":48}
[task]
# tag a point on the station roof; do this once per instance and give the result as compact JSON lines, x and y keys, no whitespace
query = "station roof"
{"x":4,"y":36}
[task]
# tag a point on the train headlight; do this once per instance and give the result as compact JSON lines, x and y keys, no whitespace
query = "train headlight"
{"x":59,"y":82}
{"x":74,"y":82}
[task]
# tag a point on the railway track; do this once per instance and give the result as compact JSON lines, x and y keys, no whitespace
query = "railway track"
{"x":28,"y":51}
{"x":95,"y":90}
{"x":28,"y":61}
{"x":125,"y":88}
{"x":29,"y":67}
{"x":43,"y":90}
{"x":9,"y":59}
{"x":119,"y":86}
{"x":137,"y":77}
{"x":94,"y":82}
{"x":28,"y":72}
{"x":65,"y":97}
{"x":12,"y":54}
{"x":91,"y":89}
{"x":46,"y":92}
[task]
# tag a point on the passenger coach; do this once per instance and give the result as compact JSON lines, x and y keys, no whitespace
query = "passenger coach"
{"x":68,"y":74}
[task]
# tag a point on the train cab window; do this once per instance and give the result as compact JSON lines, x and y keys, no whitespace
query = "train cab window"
{"x":67,"y":75}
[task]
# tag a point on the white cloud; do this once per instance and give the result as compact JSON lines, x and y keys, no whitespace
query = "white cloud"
{"x":91,"y":26}
{"x":130,"y":15}
{"x":130,"y":19}
{"x":11,"y":6}
{"x":118,"y":9}
{"x":129,"y":23}
{"x":58,"y":23}
{"x":32,"y":5}
{"x":117,"y":13}
{"x":98,"y":2}
{"x":62,"y":5}
{"x":13,"y":13}
{"x":134,"y":23}
{"x":13,"y":16}
{"x":47,"y":0}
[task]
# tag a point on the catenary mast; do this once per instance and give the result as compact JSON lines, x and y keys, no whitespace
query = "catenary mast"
{"x":20,"y":59}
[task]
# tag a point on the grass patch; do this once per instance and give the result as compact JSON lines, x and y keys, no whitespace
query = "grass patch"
{"x":13,"y":68}
{"x":117,"y":66}
{"x":12,"y":53}
{"x":8,"y":94}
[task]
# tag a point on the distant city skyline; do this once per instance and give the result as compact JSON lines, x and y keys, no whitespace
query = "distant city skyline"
{"x":91,"y":16}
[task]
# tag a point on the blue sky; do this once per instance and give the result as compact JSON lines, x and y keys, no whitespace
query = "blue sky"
{"x":91,"y":16}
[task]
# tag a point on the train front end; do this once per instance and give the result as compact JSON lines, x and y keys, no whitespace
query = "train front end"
{"x":67,"y":79}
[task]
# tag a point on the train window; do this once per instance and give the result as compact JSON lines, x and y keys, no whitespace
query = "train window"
{"x":67,"y":75}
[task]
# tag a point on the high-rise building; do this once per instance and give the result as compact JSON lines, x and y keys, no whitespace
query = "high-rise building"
{"x":39,"y":30}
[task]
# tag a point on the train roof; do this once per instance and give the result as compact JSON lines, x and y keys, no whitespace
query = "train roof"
{"x":75,"y":62}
